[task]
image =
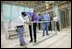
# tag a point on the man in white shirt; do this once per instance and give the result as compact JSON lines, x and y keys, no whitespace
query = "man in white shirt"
{"x":56,"y":19}
{"x":19,"y":24}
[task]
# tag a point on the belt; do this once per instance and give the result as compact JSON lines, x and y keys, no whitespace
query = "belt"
{"x":20,"y":26}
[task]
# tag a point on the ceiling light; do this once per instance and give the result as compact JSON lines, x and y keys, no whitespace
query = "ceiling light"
{"x":46,"y":1}
{"x":47,"y":6}
{"x":51,"y":2}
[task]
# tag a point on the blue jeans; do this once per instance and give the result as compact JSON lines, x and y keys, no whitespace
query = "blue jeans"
{"x":45,"y":28}
{"x":21,"y":32}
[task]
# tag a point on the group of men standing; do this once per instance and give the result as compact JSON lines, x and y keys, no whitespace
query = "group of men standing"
{"x":28,"y":17}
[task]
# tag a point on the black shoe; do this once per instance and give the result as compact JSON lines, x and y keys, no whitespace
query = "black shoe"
{"x":21,"y":44}
{"x":43,"y":35}
{"x":31,"y":40}
{"x":58,"y":30}
{"x":48,"y":34}
{"x":35,"y":41}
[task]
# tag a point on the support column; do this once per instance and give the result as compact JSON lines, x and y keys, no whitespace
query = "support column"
{"x":70,"y":14}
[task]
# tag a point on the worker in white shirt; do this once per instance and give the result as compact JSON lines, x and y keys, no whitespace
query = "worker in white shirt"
{"x":19,"y":24}
{"x":56,"y":19}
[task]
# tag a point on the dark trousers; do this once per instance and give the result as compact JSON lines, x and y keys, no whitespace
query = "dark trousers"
{"x":50,"y":26}
{"x":34,"y":31}
{"x":57,"y":24}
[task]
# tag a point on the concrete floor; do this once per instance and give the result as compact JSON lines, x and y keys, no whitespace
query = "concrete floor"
{"x":61,"y":40}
